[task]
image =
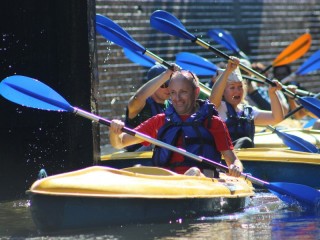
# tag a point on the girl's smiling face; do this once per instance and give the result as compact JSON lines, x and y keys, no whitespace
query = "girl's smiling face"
{"x":233,"y":93}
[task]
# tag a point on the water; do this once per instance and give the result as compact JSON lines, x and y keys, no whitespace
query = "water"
{"x":266,"y":217}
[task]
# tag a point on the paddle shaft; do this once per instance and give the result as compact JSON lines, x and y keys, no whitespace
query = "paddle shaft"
{"x":156,"y":142}
{"x":289,"y":114}
{"x":253,"y":79}
{"x":298,"y":91}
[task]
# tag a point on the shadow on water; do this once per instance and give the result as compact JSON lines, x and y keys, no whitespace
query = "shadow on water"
{"x":266,"y":217}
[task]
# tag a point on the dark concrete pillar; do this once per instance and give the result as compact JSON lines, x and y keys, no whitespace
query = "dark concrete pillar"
{"x":52,"y":41}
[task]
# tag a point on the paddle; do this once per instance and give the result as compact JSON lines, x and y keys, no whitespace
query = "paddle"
{"x":295,"y":143}
{"x":298,"y":91}
{"x":168,"y":23}
{"x":293,"y":52}
{"x":310,"y":123}
{"x":33,"y":93}
{"x":203,"y":67}
{"x":311,"y":64}
{"x":196,"y":64}
{"x":113,"y":32}
{"x":138,"y":58}
{"x":225,"y":38}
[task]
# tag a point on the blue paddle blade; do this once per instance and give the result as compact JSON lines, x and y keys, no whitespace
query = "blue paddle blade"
{"x":138,"y":58}
{"x":166,"y":22}
{"x":108,"y":22}
{"x":310,"y":123}
{"x":196,"y":64}
{"x":311,"y":64}
{"x":30,"y":92}
{"x":292,"y":193}
{"x":311,"y":104}
{"x":296,"y":143}
{"x":114,"y":33}
{"x":224,"y":38}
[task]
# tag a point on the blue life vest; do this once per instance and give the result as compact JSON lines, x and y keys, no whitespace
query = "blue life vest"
{"x":196,"y":138}
{"x":151,"y":109}
{"x":240,"y":124}
{"x":156,"y":108}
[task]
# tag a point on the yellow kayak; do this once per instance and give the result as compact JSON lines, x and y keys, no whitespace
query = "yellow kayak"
{"x":99,"y":196}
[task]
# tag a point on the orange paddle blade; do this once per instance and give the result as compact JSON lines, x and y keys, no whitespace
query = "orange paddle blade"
{"x":294,"y":51}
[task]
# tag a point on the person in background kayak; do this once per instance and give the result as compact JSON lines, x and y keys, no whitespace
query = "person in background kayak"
{"x":302,"y":113}
{"x":257,"y":93}
{"x":188,"y":123}
{"x":281,"y":72}
{"x":149,"y":100}
{"x":228,"y":93}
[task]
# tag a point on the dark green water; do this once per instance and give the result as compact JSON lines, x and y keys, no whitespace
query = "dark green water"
{"x":266,"y":217}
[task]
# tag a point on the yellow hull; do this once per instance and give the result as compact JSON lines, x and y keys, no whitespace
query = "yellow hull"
{"x":97,"y":197}
{"x":145,"y":182}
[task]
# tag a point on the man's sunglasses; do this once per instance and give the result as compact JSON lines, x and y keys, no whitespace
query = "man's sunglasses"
{"x":165,"y":85}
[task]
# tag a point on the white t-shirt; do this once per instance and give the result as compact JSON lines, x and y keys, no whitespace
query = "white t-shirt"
{"x":222,"y":109}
